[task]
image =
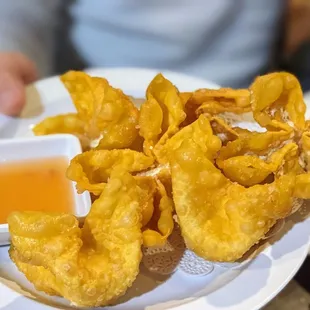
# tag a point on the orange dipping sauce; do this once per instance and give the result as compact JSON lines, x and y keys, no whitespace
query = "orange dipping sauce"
{"x":35,"y":185}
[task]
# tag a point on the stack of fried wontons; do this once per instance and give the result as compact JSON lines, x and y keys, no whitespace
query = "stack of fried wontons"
{"x":176,"y":159}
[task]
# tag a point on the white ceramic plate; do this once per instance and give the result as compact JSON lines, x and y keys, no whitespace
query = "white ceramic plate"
{"x":248,"y":287}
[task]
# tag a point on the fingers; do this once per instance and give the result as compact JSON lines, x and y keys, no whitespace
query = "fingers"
{"x":16,"y":71}
{"x":12,"y":94}
{"x":19,"y":65}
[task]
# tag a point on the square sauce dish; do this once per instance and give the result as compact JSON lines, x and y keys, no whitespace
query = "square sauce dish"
{"x":33,"y":178}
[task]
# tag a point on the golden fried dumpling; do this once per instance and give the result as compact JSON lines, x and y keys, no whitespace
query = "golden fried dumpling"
{"x":220,"y":220}
{"x":147,"y":192}
{"x":277,"y":98}
{"x":161,"y":114}
{"x":161,"y":224}
{"x":91,"y":170}
{"x":65,"y":123}
{"x":200,"y":131}
{"x":106,"y":117}
{"x":251,"y":158}
{"x":91,"y":266}
{"x":217,"y":101}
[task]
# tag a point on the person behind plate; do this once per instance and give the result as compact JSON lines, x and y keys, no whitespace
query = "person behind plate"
{"x":228,"y":42}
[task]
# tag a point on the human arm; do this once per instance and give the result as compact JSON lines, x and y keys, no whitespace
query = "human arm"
{"x":26,"y":47}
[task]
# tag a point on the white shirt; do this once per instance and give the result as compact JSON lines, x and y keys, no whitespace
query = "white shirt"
{"x":226,"y":41}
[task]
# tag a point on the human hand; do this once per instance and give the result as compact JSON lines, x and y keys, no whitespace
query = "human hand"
{"x":16,"y":71}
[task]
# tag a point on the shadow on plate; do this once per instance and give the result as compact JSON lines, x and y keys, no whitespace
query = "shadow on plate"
{"x":292,"y":242}
{"x":22,"y":303}
{"x":145,"y":282}
{"x":33,"y":106}
{"x":252,"y":286}
{"x":158,"y":264}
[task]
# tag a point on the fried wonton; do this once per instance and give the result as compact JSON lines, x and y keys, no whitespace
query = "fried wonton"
{"x":161,"y":114}
{"x":225,"y":185}
{"x":106,"y":118}
{"x":91,"y":266}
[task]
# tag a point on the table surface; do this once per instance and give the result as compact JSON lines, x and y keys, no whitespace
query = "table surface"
{"x":294,"y":296}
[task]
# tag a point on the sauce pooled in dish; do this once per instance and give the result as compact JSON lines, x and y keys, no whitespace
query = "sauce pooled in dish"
{"x":35,"y":185}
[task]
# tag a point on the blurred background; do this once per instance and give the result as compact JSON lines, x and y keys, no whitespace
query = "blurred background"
{"x":229,"y":42}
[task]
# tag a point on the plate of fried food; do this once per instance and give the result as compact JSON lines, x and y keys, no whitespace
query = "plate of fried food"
{"x":183,"y":195}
